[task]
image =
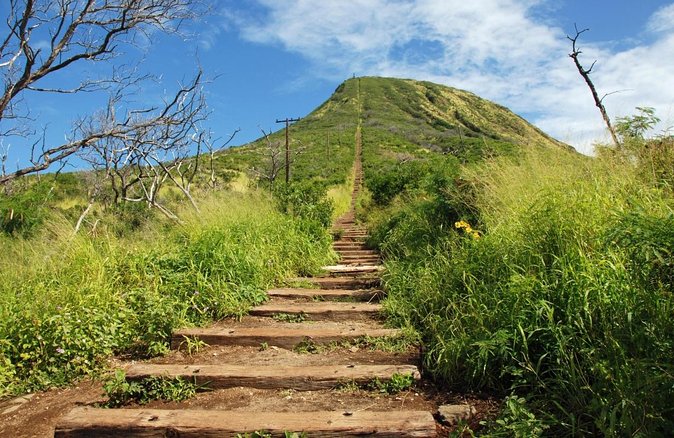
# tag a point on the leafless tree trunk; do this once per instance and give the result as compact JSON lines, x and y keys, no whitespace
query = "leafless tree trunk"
{"x":273,"y":155}
{"x":585,"y":73}
{"x":147,"y":148}
{"x":212,"y":150}
{"x":46,"y":37}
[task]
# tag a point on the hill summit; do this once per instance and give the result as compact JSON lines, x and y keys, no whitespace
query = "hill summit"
{"x":433,"y":116}
{"x":401,"y":118}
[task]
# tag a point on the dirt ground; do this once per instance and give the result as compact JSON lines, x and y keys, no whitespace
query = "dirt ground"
{"x":35,"y":415}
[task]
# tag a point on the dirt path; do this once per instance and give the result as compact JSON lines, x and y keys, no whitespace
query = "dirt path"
{"x":305,"y":361}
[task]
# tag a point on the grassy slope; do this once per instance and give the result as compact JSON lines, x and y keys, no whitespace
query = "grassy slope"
{"x":554,"y":291}
{"x":557,"y":303}
{"x":324,"y":139}
{"x":422,"y":115}
{"x":67,"y":302}
{"x":130,"y":277}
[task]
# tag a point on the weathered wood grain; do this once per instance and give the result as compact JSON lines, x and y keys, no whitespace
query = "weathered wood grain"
{"x":299,"y":378}
{"x":85,"y":422}
{"x":326,"y":294}
{"x":341,"y":283}
{"x":320,"y":311}
{"x":274,"y":336}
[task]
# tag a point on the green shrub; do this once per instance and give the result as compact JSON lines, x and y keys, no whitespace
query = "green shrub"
{"x":306,"y":200}
{"x":68,"y":302}
{"x":24,"y":211}
{"x":122,"y":392}
{"x":564,"y":299}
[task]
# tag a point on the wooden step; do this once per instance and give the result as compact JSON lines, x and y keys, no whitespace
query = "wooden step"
{"x":341,"y":283}
{"x":359,"y":252}
{"x":299,"y":378}
{"x":349,"y":246}
{"x":345,"y":270}
{"x":359,"y":260}
{"x":358,"y":239}
{"x":277,"y":336}
{"x":372,"y":260}
{"x":320,"y":311}
{"x":89,"y":422}
{"x":326,"y":294}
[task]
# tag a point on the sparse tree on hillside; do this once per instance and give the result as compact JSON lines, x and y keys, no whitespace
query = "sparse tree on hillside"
{"x":145,"y":149}
{"x":585,"y":73}
{"x":272,"y":152}
{"x":212,"y":147}
{"x":45,"y":40}
{"x":274,"y":159}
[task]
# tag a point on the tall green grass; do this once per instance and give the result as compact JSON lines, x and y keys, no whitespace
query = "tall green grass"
{"x":69,"y":302}
{"x":564,"y":301}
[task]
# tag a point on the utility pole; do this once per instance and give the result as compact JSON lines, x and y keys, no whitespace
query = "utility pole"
{"x":287,"y":122}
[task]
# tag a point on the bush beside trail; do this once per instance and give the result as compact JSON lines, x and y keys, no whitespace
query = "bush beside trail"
{"x":554,"y":291}
{"x":68,"y":302}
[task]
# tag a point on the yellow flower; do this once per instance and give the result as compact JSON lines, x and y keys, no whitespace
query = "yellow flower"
{"x":465,"y":226}
{"x":462,"y":224}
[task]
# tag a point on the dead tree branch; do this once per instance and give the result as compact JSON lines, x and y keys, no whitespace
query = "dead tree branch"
{"x":148,"y":147}
{"x":585,"y":73}
{"x":45,"y":37}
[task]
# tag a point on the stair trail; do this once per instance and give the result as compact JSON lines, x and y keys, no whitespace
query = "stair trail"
{"x":260,"y":391}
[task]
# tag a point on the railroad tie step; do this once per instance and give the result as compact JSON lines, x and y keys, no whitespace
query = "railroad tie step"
{"x":351,"y":271}
{"x":88,"y":422}
{"x":359,"y":252}
{"x":359,"y":260}
{"x":276,"y":336}
{"x":351,"y":238}
{"x":326,"y":294}
{"x":320,"y":311}
{"x":340,"y":282}
{"x":348,"y":247}
{"x":298,"y":378}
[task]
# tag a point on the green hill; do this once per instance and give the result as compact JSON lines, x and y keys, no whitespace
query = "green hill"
{"x":400,"y":116}
{"x":443,"y":119}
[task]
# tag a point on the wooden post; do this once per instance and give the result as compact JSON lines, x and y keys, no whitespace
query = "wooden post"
{"x":287,"y":122}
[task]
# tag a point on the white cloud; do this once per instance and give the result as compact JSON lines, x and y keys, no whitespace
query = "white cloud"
{"x":494,"y":48}
{"x":662,"y":20}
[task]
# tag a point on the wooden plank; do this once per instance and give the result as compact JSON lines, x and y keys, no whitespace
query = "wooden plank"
{"x":276,"y":336}
{"x":90,"y":422}
{"x":327,"y":294}
{"x":340,"y":283}
{"x":360,"y":261}
{"x":359,"y":252}
{"x":356,"y":247}
{"x":350,"y":239}
{"x":343,"y":269}
{"x":349,"y":246}
{"x":300,"y":378}
{"x":320,"y":311}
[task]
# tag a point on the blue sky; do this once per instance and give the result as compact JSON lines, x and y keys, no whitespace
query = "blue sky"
{"x":270,"y":59}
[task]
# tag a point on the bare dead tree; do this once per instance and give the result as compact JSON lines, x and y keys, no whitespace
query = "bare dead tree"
{"x":147,"y":148}
{"x":272,"y":153}
{"x":213,"y":148}
{"x":585,"y":73}
{"x":46,"y":38}
{"x":274,"y":159}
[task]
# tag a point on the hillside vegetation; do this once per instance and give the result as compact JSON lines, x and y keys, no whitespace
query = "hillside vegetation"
{"x":540,"y":275}
{"x":532,"y":273}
